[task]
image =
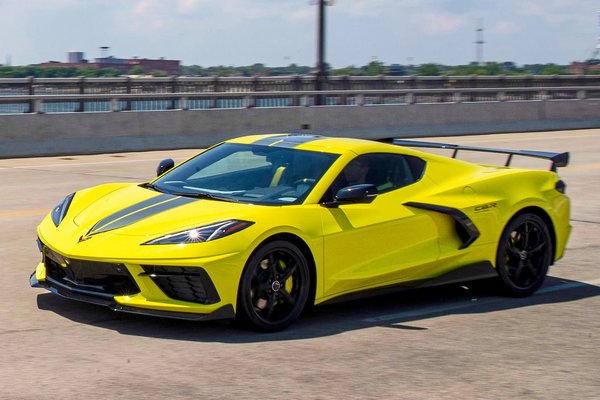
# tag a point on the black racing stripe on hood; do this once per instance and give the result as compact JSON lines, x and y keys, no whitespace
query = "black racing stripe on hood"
{"x":287,"y":141}
{"x":270,"y":140}
{"x":139,"y":211}
{"x":136,"y":207}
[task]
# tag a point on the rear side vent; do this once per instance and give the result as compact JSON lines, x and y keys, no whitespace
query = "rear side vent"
{"x":561,"y":187}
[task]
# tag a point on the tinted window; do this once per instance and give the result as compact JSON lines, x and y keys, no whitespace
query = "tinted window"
{"x":249,"y":173}
{"x":386,"y":171}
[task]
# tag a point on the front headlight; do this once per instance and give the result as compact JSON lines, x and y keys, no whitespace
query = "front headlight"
{"x":59,"y":212}
{"x":203,"y":233}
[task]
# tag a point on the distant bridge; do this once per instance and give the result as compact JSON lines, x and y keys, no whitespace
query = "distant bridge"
{"x":91,"y":115}
{"x":48,"y":95}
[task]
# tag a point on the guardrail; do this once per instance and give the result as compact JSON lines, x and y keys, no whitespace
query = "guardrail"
{"x":115,"y":102}
{"x":182,"y":84}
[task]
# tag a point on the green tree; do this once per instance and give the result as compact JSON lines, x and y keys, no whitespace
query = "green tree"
{"x":193,"y":70}
{"x":159,"y":74}
{"x":109,"y":72}
{"x":349,"y":71}
{"x":375,"y":68}
{"x":136,"y":70}
{"x":533,"y":69}
{"x":553,"y":69}
{"x":57,"y":72}
{"x":255,"y":69}
{"x":492,"y":68}
{"x":429,"y":70}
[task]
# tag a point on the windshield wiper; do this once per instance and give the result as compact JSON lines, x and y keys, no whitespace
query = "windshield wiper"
{"x":204,"y":195}
{"x":150,"y":186}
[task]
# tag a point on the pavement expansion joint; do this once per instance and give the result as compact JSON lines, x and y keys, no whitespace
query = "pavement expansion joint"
{"x":586,"y":222}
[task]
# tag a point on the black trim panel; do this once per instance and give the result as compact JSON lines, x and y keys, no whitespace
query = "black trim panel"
{"x":470,"y":272}
{"x":225,"y":312}
{"x":465,"y":228}
{"x":191,"y":284}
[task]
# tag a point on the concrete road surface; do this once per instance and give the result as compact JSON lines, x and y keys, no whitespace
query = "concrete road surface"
{"x":454,"y":342}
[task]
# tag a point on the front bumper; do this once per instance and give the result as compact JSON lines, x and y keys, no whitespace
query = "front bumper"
{"x":177,"y":289}
{"x":224,"y":312}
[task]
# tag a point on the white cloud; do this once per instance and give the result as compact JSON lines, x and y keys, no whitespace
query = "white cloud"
{"x":186,"y":6}
{"x":362,"y":8}
{"x":505,"y":28}
{"x":436,"y":24}
{"x":246,"y":31}
{"x":142,"y":7}
{"x":557,"y":11}
{"x":305,"y":14}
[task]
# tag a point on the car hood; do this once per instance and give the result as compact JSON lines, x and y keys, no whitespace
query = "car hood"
{"x":136,"y":211}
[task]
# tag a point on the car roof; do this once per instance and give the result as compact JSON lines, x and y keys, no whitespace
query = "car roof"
{"x":336,"y":145}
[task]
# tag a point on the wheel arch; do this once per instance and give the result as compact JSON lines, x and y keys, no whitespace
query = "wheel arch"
{"x":540,"y":212}
{"x":305,"y":249}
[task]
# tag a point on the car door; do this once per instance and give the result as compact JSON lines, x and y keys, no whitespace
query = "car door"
{"x":384,"y":242}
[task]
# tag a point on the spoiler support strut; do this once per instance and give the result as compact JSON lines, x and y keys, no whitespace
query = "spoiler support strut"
{"x":557,"y":159}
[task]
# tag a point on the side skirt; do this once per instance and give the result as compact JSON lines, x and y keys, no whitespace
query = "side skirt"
{"x":471,"y":272}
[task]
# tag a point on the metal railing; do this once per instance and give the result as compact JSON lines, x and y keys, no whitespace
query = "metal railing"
{"x":182,"y":84}
{"x":106,"y":98}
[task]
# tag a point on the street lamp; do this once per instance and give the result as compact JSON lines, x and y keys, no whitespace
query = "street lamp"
{"x":321,"y":76}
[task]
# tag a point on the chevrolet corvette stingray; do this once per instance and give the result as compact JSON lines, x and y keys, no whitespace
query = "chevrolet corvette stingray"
{"x":259,"y":227}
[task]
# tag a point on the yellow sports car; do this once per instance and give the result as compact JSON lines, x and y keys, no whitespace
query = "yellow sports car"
{"x":259,"y":227}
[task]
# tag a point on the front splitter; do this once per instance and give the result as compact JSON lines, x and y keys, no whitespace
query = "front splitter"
{"x":225,"y":312}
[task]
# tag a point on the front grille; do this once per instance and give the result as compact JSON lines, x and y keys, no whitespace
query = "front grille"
{"x":183,"y":283}
{"x":92,"y":276}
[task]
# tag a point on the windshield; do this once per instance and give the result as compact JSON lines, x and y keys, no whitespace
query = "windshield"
{"x":249,"y":174}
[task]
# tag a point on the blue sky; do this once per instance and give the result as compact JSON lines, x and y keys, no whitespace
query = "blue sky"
{"x":280,"y":32}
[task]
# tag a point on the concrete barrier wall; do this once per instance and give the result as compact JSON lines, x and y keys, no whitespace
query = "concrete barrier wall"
{"x":27,"y":135}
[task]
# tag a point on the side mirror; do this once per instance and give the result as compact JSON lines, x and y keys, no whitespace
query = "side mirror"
{"x":356,"y":194}
{"x":164,"y":166}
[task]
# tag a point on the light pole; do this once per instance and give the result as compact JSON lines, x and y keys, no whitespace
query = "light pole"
{"x":479,"y":42}
{"x":321,"y":76}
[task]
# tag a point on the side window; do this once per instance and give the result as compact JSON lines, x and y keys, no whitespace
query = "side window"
{"x":386,"y":171}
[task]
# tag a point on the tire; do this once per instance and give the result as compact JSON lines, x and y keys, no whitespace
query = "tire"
{"x":524,"y":255}
{"x":274,"y":287}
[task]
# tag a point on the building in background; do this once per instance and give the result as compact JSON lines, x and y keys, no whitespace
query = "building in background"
{"x":591,"y":65}
{"x":123,"y":65}
{"x":75,"y":57}
{"x":586,"y":67}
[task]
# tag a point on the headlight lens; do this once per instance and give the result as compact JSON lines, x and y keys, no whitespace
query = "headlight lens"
{"x":59,"y":212}
{"x":203,"y":233}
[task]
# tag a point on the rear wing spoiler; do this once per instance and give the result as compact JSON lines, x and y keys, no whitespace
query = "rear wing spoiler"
{"x":557,"y":159}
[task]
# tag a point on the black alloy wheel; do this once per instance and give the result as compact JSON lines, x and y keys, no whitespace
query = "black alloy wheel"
{"x":524,"y":255}
{"x":274,"y":287}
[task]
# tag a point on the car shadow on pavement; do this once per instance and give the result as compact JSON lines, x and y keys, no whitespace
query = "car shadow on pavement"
{"x":399,"y":310}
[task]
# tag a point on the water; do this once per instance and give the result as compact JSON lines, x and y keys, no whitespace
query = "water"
{"x":50,"y":107}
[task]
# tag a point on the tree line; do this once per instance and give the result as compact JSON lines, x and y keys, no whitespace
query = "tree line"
{"x":374,"y":68}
